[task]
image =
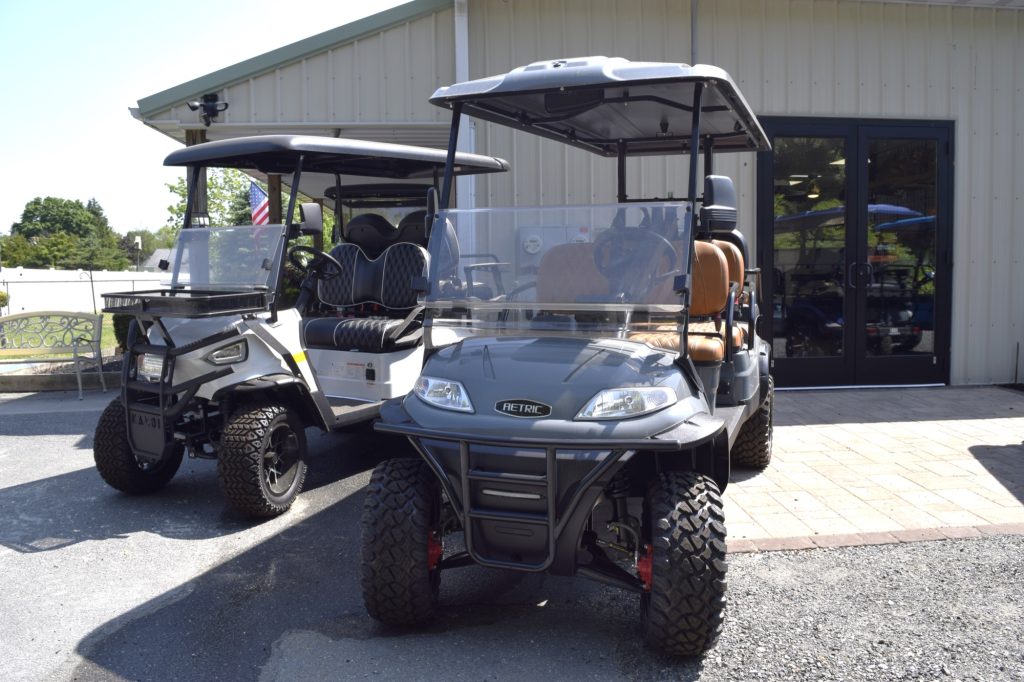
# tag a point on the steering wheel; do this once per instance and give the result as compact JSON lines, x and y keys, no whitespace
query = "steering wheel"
{"x":624,"y":257}
{"x":323,"y":264}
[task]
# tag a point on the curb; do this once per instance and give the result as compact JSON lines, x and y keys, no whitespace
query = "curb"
{"x":32,"y":383}
{"x":744,"y":546}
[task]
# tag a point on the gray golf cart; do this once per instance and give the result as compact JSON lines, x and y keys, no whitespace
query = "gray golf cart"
{"x":217,"y":366}
{"x":584,"y":390}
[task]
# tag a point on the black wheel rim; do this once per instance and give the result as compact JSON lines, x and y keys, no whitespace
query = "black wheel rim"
{"x":281,"y":460}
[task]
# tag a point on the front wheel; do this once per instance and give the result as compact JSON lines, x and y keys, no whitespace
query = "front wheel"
{"x":118,"y":465}
{"x":401,"y":543}
{"x":262,"y":460}
{"x":753,"y":447}
{"x":683,"y":609}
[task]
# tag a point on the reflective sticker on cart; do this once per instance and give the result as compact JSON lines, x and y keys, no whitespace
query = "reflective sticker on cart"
{"x":299,"y":357}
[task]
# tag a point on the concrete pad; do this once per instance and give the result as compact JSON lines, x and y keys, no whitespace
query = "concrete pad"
{"x":886,"y":465}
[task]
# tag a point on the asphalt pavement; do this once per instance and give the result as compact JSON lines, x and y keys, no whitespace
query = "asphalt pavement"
{"x":175,"y":586}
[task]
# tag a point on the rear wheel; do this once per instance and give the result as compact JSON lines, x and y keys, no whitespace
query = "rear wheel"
{"x":401,"y":543}
{"x":683,"y":608}
{"x":753,"y":446}
{"x":117,"y":463}
{"x":262,"y":460}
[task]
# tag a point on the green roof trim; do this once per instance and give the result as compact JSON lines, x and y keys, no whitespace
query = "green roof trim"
{"x":346,"y":33}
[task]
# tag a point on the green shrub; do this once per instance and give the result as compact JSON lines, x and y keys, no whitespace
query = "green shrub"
{"x":4,"y":299}
{"x":121,"y":323}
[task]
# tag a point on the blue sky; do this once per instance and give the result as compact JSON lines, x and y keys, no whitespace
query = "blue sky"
{"x":72,"y":69}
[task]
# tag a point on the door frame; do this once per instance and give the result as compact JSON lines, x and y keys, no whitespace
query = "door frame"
{"x":854,"y":367}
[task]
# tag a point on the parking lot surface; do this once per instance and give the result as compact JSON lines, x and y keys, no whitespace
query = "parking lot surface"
{"x":102,"y":586}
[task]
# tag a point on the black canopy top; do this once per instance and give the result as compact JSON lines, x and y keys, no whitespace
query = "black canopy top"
{"x":278,"y":154}
{"x":597,"y":102}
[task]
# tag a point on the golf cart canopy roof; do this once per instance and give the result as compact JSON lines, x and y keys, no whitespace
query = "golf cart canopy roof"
{"x":597,"y":102}
{"x":278,"y":154}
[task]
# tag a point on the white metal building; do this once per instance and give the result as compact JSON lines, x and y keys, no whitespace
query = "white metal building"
{"x":889,"y":218}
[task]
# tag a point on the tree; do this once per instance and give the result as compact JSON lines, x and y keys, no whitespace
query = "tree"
{"x":64,"y":233}
{"x":43,"y":217}
{"x":149,"y":245}
{"x":227,"y":198}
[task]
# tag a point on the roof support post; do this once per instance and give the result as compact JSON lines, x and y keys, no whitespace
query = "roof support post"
{"x":622,"y":171}
{"x":691,"y":191}
{"x":274,"y":199}
{"x":198,"y":206}
{"x":449,"y":164}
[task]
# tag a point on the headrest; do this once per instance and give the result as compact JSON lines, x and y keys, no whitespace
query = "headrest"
{"x":370,"y":232}
{"x":412,"y":228}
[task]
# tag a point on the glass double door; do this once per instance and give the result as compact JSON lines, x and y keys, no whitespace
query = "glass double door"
{"x":853,"y":242}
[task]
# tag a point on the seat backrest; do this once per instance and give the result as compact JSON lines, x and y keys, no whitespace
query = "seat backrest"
{"x":734,"y":258}
{"x":567,"y":273}
{"x":710,"y":280}
{"x":385,"y":280}
{"x":370,"y":232}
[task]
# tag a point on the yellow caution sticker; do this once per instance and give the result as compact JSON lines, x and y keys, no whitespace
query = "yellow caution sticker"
{"x":299,"y":357}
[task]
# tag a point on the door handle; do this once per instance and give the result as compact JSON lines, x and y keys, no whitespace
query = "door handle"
{"x":851,"y":276}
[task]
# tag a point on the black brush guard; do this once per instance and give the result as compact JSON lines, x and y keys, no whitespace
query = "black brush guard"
{"x":152,"y":408}
{"x":523,"y":502}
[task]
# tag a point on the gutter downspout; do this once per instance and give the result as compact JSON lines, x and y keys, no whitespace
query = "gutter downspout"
{"x":465,"y":185}
{"x":693,"y":31}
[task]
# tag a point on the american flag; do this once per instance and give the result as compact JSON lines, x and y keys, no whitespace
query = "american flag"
{"x":260,"y":205}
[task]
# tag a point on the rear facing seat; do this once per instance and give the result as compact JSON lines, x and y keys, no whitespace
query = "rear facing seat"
{"x":385,"y":281}
{"x":709,"y":298}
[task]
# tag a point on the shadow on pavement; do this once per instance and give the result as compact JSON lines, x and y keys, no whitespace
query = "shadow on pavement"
{"x":1005,"y":463}
{"x":63,"y":510}
{"x":291,"y":608}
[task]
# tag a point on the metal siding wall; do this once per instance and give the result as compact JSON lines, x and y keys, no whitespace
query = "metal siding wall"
{"x":385,"y":77}
{"x":800,"y":58}
{"x":504,"y":35}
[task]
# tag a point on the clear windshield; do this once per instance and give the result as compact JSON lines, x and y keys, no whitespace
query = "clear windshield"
{"x":228,"y":258}
{"x":558,"y":269}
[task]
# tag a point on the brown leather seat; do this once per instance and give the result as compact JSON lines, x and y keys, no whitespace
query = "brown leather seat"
{"x":710,"y":296}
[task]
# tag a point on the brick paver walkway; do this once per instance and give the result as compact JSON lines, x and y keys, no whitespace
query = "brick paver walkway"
{"x":884,"y":465}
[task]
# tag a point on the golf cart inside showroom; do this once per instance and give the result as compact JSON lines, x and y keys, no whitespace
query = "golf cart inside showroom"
{"x":591,"y":377}
{"x":219,"y":366}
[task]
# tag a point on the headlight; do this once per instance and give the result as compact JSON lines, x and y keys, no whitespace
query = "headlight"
{"x":227,"y":355}
{"x":623,"y":403}
{"x":150,"y":367}
{"x":448,"y":395}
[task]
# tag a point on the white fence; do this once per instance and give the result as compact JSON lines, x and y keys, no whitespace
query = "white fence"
{"x":77,"y":291}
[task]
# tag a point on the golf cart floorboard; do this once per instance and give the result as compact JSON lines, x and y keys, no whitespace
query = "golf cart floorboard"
{"x":348,"y":411}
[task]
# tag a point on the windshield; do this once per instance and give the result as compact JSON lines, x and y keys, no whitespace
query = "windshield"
{"x":227,"y":258}
{"x":558,"y":269}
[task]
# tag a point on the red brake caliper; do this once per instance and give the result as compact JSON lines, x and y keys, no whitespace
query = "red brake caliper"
{"x":644,"y":564}
{"x":434,"y":551}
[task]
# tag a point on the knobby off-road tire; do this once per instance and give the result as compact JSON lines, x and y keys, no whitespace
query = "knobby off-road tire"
{"x":262,"y":460}
{"x":116,"y":462}
{"x":401,"y":511}
{"x":683,"y":613}
{"x":753,"y":446}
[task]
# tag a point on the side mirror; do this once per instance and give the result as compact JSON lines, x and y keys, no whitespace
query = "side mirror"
{"x":312,"y":219}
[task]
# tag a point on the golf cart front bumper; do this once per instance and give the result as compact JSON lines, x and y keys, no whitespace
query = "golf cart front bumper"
{"x":523,"y":502}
